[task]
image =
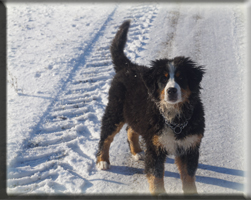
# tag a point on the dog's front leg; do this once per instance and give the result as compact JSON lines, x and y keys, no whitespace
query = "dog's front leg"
{"x":187,"y":165}
{"x":154,"y":168}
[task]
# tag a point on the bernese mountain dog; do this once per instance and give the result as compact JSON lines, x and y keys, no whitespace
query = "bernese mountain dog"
{"x":162,"y":104}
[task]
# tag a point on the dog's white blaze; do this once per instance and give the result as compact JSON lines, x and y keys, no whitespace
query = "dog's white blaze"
{"x":171,"y":67}
{"x":172,"y":84}
{"x":167,"y":140}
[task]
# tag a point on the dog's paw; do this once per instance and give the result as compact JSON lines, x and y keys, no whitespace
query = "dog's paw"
{"x":102,"y":165}
{"x":139,"y":156}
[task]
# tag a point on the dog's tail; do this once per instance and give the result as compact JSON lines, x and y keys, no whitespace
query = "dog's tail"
{"x":117,"y":47}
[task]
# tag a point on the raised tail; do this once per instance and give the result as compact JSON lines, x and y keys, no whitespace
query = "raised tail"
{"x":117,"y":47}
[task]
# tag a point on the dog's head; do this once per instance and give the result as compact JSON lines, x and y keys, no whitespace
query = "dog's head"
{"x":173,"y":81}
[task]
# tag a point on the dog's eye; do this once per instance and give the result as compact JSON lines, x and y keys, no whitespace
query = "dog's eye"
{"x":178,"y":76}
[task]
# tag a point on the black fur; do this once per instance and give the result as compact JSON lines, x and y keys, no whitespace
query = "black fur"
{"x":134,"y":92}
{"x":120,"y":61}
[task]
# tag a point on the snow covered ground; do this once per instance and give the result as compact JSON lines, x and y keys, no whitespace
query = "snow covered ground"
{"x":59,"y":73}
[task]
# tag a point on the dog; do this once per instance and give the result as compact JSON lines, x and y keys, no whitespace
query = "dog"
{"x":162,"y":104}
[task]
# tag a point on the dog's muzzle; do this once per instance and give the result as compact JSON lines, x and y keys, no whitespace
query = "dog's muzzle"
{"x":172,"y":94}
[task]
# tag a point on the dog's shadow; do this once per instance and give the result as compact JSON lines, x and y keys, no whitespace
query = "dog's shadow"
{"x":128,"y":171}
{"x":213,"y":181}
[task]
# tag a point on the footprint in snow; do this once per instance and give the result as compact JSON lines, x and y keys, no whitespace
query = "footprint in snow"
{"x":38,"y":74}
{"x":50,"y":67}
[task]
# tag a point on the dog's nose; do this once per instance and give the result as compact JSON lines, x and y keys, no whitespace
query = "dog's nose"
{"x":172,"y":91}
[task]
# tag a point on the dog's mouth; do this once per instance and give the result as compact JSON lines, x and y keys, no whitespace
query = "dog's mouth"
{"x":173,"y":100}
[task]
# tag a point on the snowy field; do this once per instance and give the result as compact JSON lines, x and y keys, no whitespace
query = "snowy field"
{"x":59,"y":73}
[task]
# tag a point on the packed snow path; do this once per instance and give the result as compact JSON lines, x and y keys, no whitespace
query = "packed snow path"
{"x":57,"y":153}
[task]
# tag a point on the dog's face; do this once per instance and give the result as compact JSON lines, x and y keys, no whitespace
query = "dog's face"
{"x":172,"y":81}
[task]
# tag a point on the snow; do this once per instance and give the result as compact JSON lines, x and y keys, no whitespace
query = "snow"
{"x":59,"y":73}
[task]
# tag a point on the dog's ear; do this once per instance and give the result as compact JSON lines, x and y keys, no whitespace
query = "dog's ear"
{"x":149,"y":80}
{"x":195,"y":76}
{"x":194,"y":73}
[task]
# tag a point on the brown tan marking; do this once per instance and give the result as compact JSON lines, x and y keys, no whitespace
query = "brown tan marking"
{"x":156,"y":185}
{"x":166,"y":74}
{"x":177,"y":74}
{"x":133,"y":139}
{"x":188,"y":182}
{"x":162,"y":94}
{"x":156,"y":142}
{"x":104,"y":153}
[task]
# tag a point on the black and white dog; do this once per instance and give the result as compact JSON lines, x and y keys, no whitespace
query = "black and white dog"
{"x":162,"y":104}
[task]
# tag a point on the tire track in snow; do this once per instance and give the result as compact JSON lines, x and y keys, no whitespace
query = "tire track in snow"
{"x":138,"y":35}
{"x":173,"y":17}
{"x":56,"y":137}
{"x":68,"y":135}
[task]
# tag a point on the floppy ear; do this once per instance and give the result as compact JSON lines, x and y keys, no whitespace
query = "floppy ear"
{"x":195,"y":76}
{"x":194,"y":73}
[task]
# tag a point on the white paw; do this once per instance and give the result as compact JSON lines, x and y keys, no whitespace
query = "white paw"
{"x":139,"y":156}
{"x":102,"y":165}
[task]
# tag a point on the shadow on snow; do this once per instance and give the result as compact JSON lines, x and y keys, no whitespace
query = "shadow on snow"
{"x":128,"y":171}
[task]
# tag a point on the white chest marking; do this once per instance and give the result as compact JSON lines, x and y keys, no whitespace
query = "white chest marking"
{"x":167,"y":140}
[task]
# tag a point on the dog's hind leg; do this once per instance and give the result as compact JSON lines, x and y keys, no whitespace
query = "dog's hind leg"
{"x":133,"y":141}
{"x":112,"y":122}
{"x":104,"y":146}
